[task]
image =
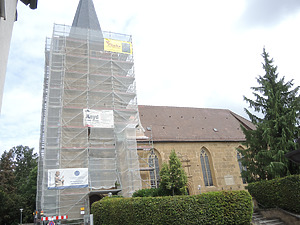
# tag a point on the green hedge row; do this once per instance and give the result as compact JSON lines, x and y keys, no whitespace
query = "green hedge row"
{"x":282,"y":192}
{"x":226,"y":207}
{"x":151,"y":192}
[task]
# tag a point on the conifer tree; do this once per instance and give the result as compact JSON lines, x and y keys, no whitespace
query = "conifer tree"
{"x":277,"y":126}
{"x":173,"y":176}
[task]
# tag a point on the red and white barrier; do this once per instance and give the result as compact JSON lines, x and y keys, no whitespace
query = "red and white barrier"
{"x":50,"y":218}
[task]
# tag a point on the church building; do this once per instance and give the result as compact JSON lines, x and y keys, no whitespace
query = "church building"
{"x":96,"y":141}
{"x":205,"y":140}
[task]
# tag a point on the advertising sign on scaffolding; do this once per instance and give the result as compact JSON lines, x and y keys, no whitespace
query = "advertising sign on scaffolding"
{"x":98,"y":118}
{"x":112,"y":45}
{"x":67,"y":178}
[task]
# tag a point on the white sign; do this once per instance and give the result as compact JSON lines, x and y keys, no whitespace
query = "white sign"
{"x":67,"y":178}
{"x":98,"y":118}
{"x":229,"y":180}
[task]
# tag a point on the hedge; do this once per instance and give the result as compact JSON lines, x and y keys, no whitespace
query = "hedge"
{"x":226,"y":207}
{"x":283,"y":193}
{"x":151,"y":192}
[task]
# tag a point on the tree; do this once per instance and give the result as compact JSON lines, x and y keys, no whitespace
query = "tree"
{"x":28,"y":196}
{"x":25,"y":161}
{"x":26,"y":176}
{"x":9,"y":210}
{"x":7,"y":174}
{"x":173,"y":177}
{"x":8,"y":197}
{"x":276,"y":130}
{"x":18,"y":174}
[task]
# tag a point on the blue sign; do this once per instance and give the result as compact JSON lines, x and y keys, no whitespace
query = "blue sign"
{"x":51,"y":223}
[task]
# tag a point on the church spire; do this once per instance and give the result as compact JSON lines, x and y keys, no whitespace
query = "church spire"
{"x":86,"y":16}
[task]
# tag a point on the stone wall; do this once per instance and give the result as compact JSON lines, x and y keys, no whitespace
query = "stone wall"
{"x":286,"y":217}
{"x":222,"y":159}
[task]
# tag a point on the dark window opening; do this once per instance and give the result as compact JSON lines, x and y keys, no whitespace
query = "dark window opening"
{"x":206,"y":171}
{"x":242,"y":168}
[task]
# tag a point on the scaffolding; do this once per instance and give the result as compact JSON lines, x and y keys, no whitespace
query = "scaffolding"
{"x":148,"y":160}
{"x":89,"y":120}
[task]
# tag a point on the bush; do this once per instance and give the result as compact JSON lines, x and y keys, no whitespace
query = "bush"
{"x":113,"y":196}
{"x":152,"y":192}
{"x":282,"y":192}
{"x":145,"y":193}
{"x":230,"y":207}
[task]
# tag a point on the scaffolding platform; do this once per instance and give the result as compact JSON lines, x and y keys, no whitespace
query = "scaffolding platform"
{"x":89,"y":120}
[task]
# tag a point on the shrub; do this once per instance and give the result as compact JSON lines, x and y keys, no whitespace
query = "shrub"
{"x":113,"y":196}
{"x":282,"y":192}
{"x":145,"y":193}
{"x":152,"y":192}
{"x":230,"y":207}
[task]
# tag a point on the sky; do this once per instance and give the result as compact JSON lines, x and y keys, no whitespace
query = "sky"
{"x":193,"y":53}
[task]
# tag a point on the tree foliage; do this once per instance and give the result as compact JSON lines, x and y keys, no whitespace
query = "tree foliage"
{"x":18,"y":174}
{"x":173,"y":177}
{"x":7,"y":174}
{"x":277,"y":107}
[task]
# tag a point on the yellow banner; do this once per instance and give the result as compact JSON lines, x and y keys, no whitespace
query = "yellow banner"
{"x":111,"y":45}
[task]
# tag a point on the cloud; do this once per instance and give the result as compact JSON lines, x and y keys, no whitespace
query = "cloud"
{"x":267,"y":13}
{"x":19,"y":122}
{"x":186,"y":54}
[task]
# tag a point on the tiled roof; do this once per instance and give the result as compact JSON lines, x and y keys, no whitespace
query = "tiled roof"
{"x":192,"y":124}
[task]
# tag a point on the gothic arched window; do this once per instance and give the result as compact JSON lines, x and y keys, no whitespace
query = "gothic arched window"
{"x":206,"y":171}
{"x":242,"y":168}
{"x":154,"y":174}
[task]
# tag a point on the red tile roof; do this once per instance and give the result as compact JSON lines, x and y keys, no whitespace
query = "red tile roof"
{"x":192,"y":124}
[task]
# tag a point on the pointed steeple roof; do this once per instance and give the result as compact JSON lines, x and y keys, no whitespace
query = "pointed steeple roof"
{"x":86,"y":16}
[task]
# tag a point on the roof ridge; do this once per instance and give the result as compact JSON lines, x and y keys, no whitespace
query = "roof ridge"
{"x":187,"y":107}
{"x":241,"y":120}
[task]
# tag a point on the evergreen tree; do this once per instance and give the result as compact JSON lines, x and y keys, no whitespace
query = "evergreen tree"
{"x":173,"y":176}
{"x":164,"y":174}
{"x":276,"y":130}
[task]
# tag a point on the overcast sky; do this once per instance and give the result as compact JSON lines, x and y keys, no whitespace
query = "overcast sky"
{"x":196,"y":53}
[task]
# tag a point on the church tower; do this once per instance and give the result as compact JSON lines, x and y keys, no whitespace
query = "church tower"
{"x":89,"y":118}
